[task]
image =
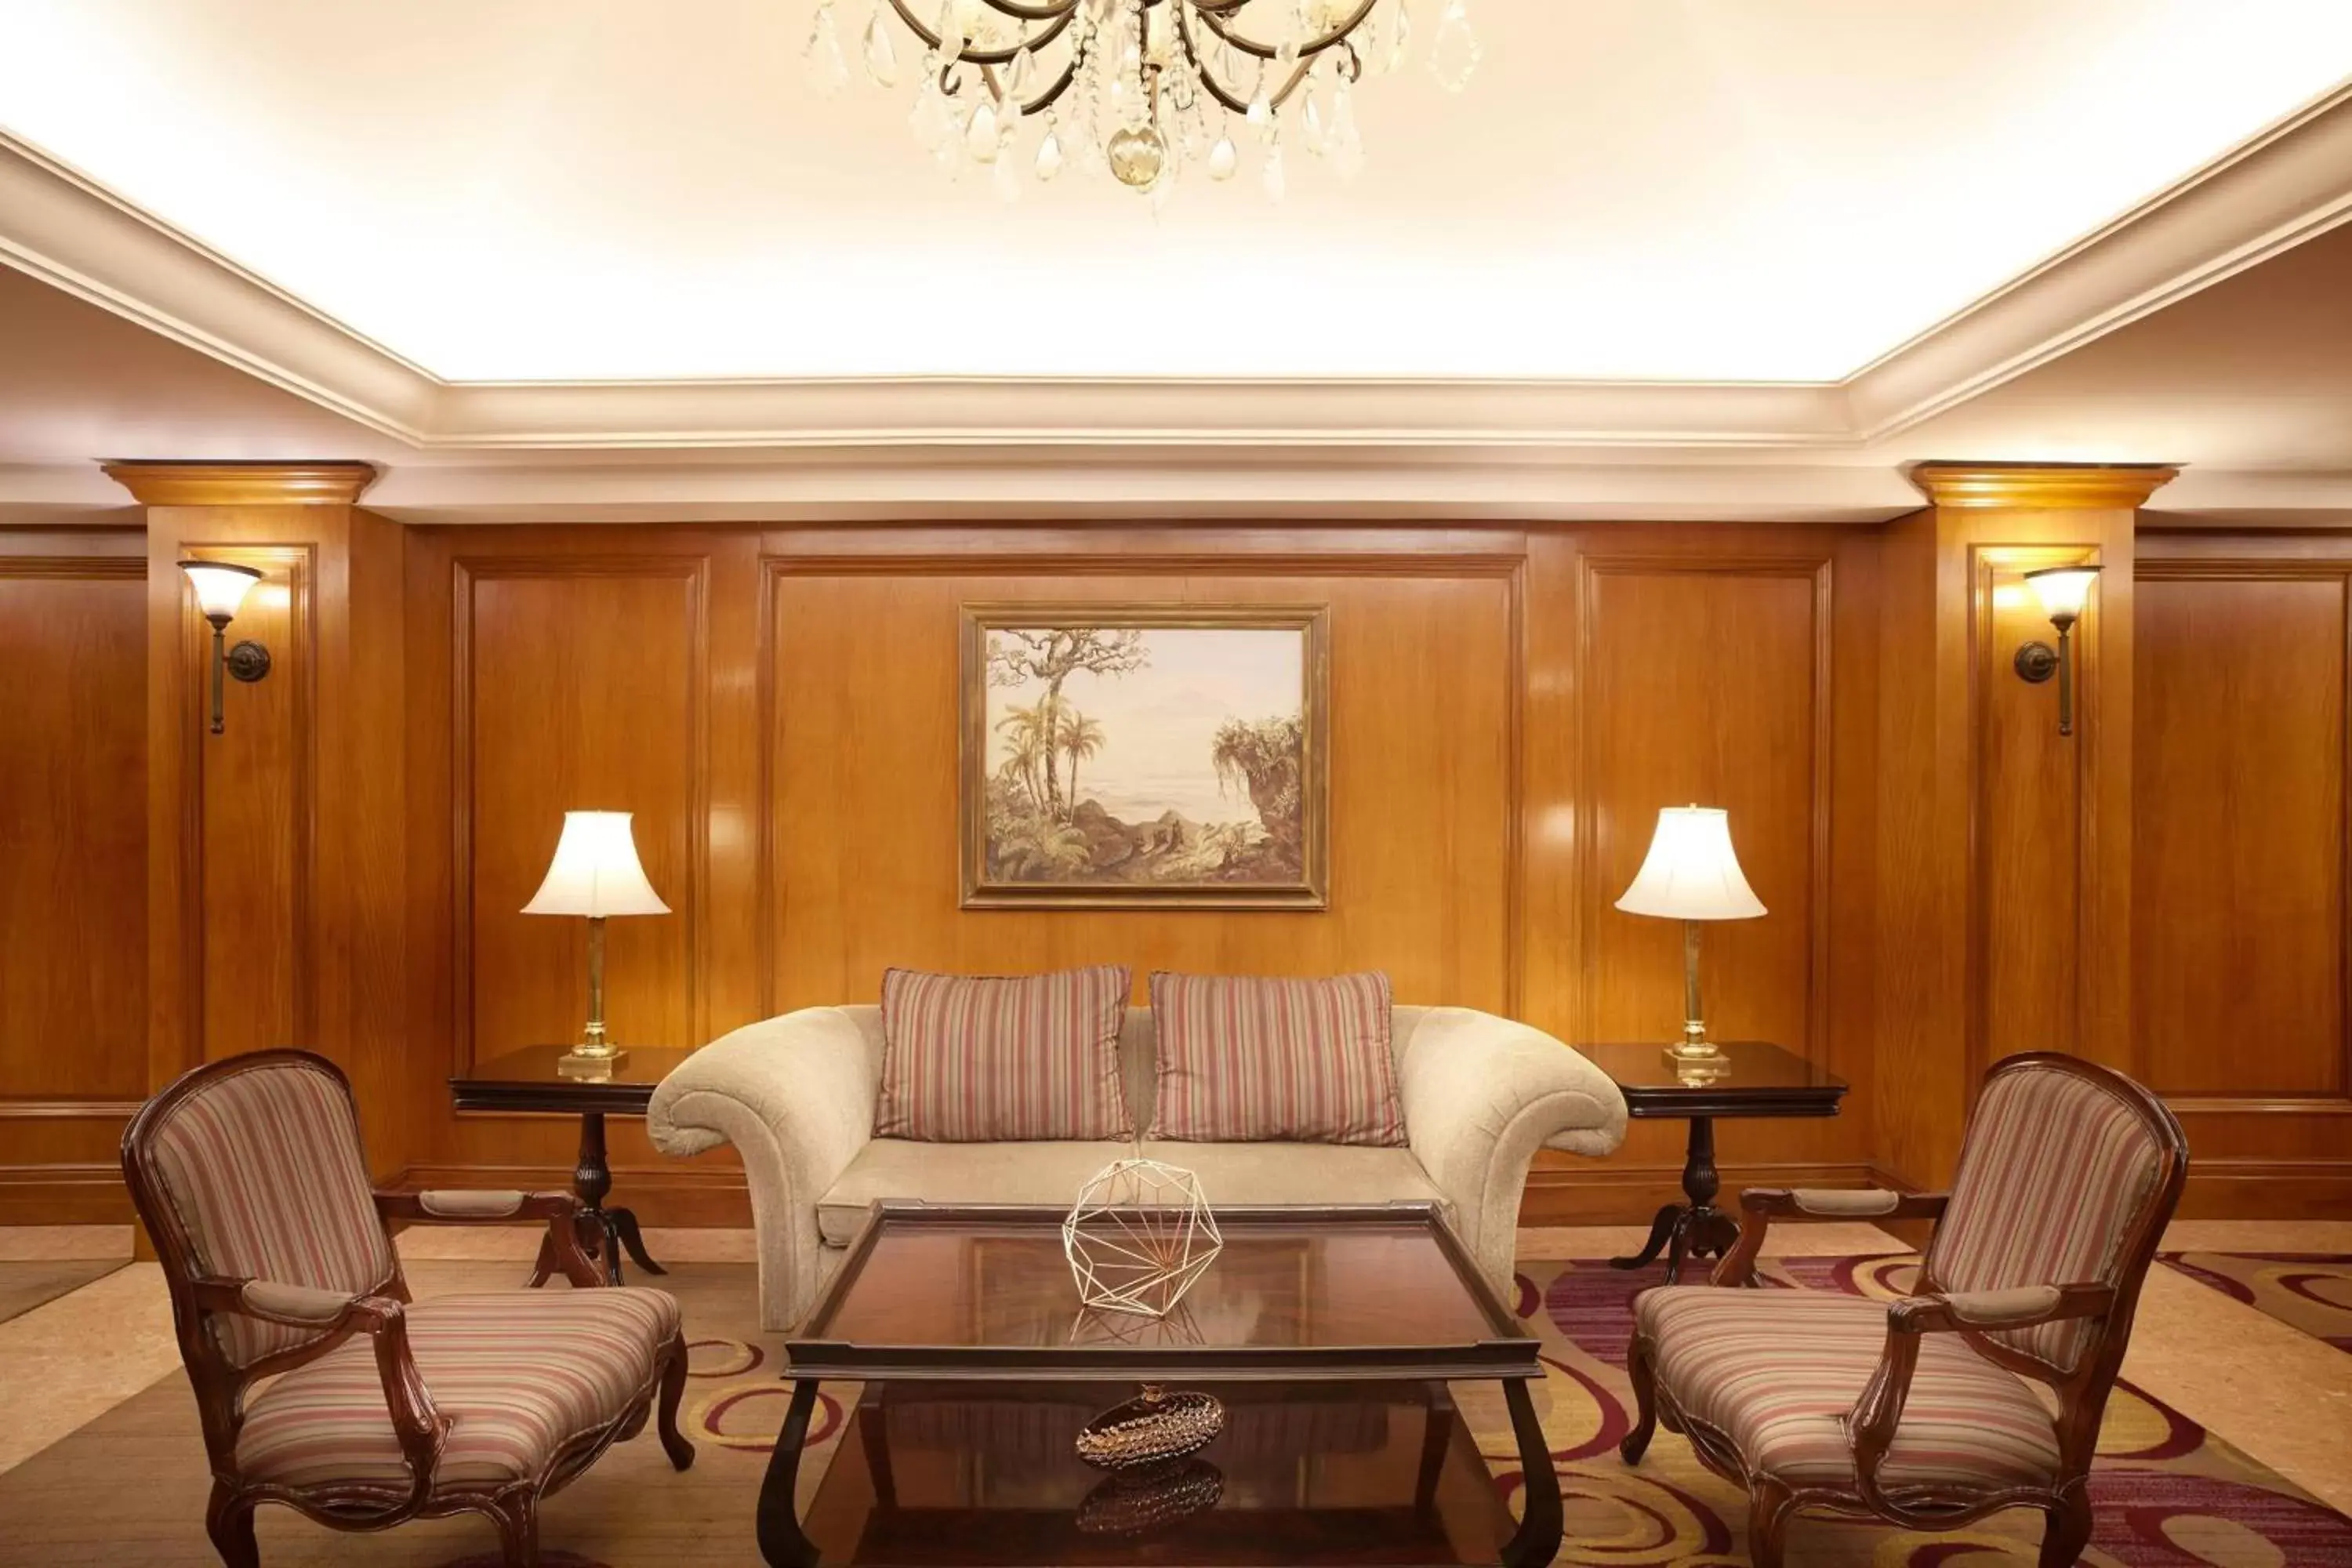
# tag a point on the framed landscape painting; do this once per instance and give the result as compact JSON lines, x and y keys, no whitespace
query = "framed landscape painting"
{"x":1138,"y":757}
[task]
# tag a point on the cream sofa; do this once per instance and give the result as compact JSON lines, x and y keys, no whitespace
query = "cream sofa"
{"x":795,"y":1096}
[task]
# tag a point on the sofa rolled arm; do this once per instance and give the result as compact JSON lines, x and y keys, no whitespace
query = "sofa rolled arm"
{"x":1481,"y":1095}
{"x":795,"y":1096}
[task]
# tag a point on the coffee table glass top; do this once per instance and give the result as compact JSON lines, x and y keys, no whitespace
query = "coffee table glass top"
{"x":1348,"y":1292}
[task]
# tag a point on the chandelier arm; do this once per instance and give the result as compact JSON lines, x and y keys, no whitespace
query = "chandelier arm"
{"x":1215,"y":18}
{"x":1051,"y":11}
{"x":1044,"y":100}
{"x":1059,"y":23}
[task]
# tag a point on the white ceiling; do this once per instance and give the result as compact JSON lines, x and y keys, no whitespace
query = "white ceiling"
{"x":1683,"y":190}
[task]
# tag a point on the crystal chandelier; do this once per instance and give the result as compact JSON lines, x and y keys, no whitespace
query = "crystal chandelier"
{"x":1141,"y":88}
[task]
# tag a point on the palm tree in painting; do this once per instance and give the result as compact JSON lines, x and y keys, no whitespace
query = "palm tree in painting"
{"x":1023,"y":729}
{"x":1080,"y":739}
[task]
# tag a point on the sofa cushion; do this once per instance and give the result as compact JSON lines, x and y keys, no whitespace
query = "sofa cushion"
{"x":1051,"y":1174}
{"x":975,"y":1059}
{"x":1245,"y":1059}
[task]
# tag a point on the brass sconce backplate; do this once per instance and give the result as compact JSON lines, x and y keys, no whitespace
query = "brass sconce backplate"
{"x":2036,"y":662}
{"x":249,"y":661}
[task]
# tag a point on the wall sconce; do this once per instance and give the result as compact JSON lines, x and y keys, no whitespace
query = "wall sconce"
{"x":2063,"y":591}
{"x":221,"y":588}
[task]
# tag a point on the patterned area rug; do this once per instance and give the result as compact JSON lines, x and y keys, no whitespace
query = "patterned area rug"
{"x":2169,"y":1495}
{"x":2308,"y":1291}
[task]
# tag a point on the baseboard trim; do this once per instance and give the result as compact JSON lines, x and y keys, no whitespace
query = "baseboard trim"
{"x":683,"y":1195}
{"x":1616,"y":1194}
{"x":2267,"y":1189}
{"x":1585,"y":1194}
{"x":79,"y":1194}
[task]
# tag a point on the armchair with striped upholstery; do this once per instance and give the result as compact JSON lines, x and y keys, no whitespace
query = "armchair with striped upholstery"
{"x":1920,"y":1411}
{"x":249,"y":1178}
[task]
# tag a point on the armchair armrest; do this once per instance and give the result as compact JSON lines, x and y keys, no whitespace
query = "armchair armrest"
{"x":795,"y":1096}
{"x":1871,"y":1424}
{"x":1758,"y":1206}
{"x":1481,"y":1094}
{"x":460,"y":1206}
{"x":420,"y":1429}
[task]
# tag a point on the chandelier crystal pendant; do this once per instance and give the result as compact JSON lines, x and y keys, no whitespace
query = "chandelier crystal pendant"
{"x":1141,"y":90}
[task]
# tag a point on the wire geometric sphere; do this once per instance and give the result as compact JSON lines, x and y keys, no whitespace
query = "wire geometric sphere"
{"x":1138,"y":1238}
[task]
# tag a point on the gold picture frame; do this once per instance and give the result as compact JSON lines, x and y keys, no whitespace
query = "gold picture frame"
{"x":1173,"y":683}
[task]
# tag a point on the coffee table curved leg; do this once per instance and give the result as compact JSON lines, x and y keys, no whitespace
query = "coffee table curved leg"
{"x":1537,"y":1541}
{"x":781,"y":1540}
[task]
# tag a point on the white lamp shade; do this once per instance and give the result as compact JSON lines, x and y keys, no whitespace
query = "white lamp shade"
{"x":2062,"y":590}
{"x":1690,"y":873}
{"x":220,"y":586}
{"x":596,"y":870}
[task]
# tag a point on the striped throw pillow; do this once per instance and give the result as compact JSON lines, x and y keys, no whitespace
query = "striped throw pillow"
{"x":987,"y":1060}
{"x":1248,"y":1060}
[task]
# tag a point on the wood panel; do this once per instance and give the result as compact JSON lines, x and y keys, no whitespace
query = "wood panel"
{"x":2242,"y":935}
{"x":73,"y":868}
{"x":1425,"y":810}
{"x":1707,"y":683}
{"x":2032,"y":790}
{"x":581,"y":687}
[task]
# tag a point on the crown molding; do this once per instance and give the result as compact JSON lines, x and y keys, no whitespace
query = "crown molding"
{"x":2284,"y":185}
{"x":242,"y":484}
{"x":2074,"y":487}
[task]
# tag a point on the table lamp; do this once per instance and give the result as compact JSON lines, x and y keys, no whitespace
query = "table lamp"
{"x":1691,"y":875}
{"x":595,"y":873}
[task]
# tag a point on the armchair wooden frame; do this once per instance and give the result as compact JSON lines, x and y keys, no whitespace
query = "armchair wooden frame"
{"x":1870,"y":1425}
{"x":380,"y":1312}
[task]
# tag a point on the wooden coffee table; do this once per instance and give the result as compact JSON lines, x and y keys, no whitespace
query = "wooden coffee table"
{"x":1331,"y":1334}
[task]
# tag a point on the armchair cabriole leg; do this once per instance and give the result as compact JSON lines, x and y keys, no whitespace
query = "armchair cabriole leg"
{"x":2069,"y":1529}
{"x":673,"y":1389}
{"x":230,"y":1524}
{"x":1644,"y":1378}
{"x":518,"y":1516}
{"x":1769,"y":1510}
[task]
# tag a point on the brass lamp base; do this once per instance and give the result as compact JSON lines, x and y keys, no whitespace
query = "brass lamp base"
{"x":584,"y":1063}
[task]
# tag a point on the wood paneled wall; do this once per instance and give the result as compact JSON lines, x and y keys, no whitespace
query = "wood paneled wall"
{"x":779,"y":711}
{"x":2242,"y":934}
{"x":1947,"y":880}
{"x":73,"y":869}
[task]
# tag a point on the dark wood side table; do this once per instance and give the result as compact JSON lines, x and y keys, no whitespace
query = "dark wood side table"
{"x":1757,"y":1079}
{"x":526,"y":1080}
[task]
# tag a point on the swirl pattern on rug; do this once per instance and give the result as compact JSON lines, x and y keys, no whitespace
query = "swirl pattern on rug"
{"x":2168,"y":1493}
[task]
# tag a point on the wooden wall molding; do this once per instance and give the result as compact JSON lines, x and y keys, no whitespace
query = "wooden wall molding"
{"x":2042,"y":487}
{"x":73,"y":974}
{"x":467,"y":571}
{"x":1817,"y":569}
{"x":2249,"y":1140}
{"x":1181,"y":558}
{"x":181,"y":1035}
{"x":242,"y":484}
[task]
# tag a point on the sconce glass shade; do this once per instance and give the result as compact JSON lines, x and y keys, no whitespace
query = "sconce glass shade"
{"x":221,"y":587}
{"x":2062,"y":590}
{"x":1691,"y":873}
{"x":595,"y":871}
